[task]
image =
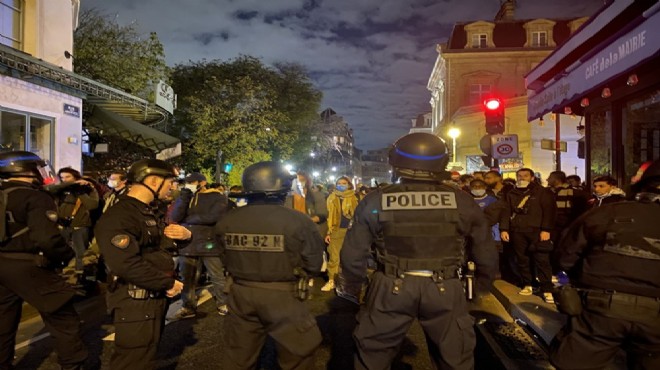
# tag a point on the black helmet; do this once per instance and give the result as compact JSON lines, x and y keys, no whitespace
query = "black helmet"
{"x":419,"y":152}
{"x":150,"y":167}
{"x":266,"y":178}
{"x":649,"y":177}
{"x":14,"y":164}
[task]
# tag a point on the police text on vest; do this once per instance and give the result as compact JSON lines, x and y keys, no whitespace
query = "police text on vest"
{"x":418,"y":200}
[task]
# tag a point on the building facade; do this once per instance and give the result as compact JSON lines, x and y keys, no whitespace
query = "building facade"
{"x":607,"y":72}
{"x":485,"y":59}
{"x":375,"y":167}
{"x":423,"y":123}
{"x":333,"y":152}
{"x":43,"y":102}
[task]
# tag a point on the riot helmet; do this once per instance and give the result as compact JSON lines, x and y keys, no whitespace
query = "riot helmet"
{"x":26,"y":164}
{"x":419,"y":156}
{"x":266,"y":179}
{"x":143,"y":168}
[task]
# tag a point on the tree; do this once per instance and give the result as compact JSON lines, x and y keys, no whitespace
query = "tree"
{"x":118,"y":55}
{"x":248,"y":110}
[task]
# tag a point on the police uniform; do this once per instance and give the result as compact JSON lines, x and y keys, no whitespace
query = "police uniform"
{"x":129,"y":236}
{"x":262,"y":244}
{"x":419,"y":231}
{"x":613,"y":256}
{"x":26,"y":276}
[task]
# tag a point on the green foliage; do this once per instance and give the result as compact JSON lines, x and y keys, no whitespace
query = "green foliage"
{"x":118,"y":55}
{"x":250,"y":111}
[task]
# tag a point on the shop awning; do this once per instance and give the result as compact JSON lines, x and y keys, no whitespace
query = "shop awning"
{"x":117,"y":124}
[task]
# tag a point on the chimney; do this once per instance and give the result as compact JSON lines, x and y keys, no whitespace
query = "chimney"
{"x":507,"y":11}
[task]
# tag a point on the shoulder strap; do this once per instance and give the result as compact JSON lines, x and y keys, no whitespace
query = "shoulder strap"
{"x":4,"y":213}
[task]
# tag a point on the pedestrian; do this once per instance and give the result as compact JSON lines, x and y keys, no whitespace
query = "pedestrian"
{"x":575,"y":182}
{"x":269,"y":252}
{"x":612,"y":255}
{"x":496,"y":185}
{"x":134,"y":242}
{"x":419,"y":227}
{"x":606,"y":192}
{"x":31,"y":250}
{"x":341,"y":207}
{"x":527,"y":220}
{"x":118,"y":186}
{"x":198,"y":209}
{"x":306,"y":199}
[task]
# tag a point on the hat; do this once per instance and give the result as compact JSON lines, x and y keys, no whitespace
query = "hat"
{"x":195,"y":176}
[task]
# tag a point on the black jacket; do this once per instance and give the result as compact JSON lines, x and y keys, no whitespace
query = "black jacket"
{"x":615,"y":247}
{"x":199,"y":213}
{"x":539,"y":211}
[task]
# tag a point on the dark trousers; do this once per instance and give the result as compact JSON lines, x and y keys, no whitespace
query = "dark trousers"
{"x":78,"y":238}
{"x":138,"y":328}
{"x":385,"y":319}
{"x":22,"y":281}
{"x":190,"y":268}
{"x":521,"y":242}
{"x":509,"y":264}
{"x":592,"y":340}
{"x":255,"y":313}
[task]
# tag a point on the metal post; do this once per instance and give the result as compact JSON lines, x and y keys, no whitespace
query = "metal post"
{"x":557,"y":142}
{"x":218,"y":167}
{"x":453,"y":151}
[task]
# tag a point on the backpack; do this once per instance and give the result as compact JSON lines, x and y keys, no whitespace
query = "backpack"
{"x":6,"y":217}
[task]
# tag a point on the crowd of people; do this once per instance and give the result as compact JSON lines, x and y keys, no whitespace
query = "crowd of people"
{"x":258,"y":242}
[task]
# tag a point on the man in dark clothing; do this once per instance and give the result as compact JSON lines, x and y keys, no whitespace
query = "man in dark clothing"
{"x":118,"y":185}
{"x":31,"y":249}
{"x":419,"y":228}
{"x":199,"y":209}
{"x":612,"y":255}
{"x":496,"y":185}
{"x":606,"y":192}
{"x":266,"y":248}
{"x":134,"y":242}
{"x":527,"y":221}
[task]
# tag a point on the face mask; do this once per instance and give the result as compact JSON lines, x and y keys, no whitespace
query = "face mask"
{"x":191,"y":187}
{"x":478,"y":192}
{"x":112,"y":184}
{"x":522,"y":184}
{"x":342,"y":188}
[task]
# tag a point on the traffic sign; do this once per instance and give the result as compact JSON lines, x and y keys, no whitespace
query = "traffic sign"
{"x":504,"y":146}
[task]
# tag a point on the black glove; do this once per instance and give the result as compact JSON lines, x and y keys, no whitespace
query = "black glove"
{"x":58,"y":257}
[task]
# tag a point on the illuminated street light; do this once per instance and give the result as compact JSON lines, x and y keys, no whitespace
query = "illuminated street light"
{"x":315,"y":174}
{"x":332,"y":178}
{"x":312,"y":154}
{"x":453,"y":134}
{"x":334,"y":168}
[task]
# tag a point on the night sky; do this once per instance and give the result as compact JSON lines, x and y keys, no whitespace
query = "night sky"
{"x":371,"y":58}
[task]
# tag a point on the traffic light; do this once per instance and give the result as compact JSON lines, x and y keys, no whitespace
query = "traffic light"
{"x":228,"y":167}
{"x":494,"y":112}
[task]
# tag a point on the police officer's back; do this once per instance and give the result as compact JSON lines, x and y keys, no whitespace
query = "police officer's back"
{"x":612,"y":254}
{"x":419,"y":227}
{"x":30,"y":250}
{"x":267,"y":248}
{"x":130,"y":235}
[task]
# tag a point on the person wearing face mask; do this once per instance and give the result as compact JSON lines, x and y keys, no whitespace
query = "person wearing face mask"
{"x":341,"y":208}
{"x":199,"y":208}
{"x":306,"y":199}
{"x":486,"y":202}
{"x":527,"y":220}
{"x":136,"y":246}
{"x":117,"y":184}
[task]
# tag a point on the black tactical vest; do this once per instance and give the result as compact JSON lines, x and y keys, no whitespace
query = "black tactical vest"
{"x":420,"y":226}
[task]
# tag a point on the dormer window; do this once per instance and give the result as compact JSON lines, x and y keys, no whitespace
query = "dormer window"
{"x":480,"y":40}
{"x":479,"y":35}
{"x":10,"y":23}
{"x":539,"y":39}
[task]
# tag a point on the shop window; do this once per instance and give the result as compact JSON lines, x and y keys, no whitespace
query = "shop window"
{"x":600,"y":143}
{"x":478,"y":92}
{"x":17,"y":127}
{"x":539,"y":39}
{"x":10,"y":23}
{"x":40,"y":136}
{"x":641,"y":132}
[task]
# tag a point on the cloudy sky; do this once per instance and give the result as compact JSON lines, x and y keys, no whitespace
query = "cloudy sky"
{"x":371,"y":58}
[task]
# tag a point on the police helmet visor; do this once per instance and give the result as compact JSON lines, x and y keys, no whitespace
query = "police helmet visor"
{"x":47,"y":174}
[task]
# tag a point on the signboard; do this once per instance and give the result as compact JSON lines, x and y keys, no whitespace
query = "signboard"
{"x":549,"y":144}
{"x":165,"y":97}
{"x":511,"y":164}
{"x":504,"y":146}
{"x":168,"y":153}
{"x":71,"y":110}
{"x":475,"y":163}
{"x":455,"y":166}
{"x":621,"y":55}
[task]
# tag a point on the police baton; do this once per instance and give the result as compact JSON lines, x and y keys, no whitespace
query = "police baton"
{"x":469,"y":277}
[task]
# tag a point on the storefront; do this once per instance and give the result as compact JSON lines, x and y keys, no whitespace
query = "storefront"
{"x":607,"y":72}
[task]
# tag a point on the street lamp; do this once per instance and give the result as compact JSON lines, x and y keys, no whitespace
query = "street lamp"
{"x":315,"y":174}
{"x":453,"y":134}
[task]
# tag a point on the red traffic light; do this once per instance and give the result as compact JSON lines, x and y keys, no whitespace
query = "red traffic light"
{"x":492,"y":104}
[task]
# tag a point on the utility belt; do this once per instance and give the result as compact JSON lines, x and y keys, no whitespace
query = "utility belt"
{"x":398,"y":268}
{"x":38,"y":259}
{"x":299,"y":289}
{"x":619,"y":303}
{"x":134,"y":291}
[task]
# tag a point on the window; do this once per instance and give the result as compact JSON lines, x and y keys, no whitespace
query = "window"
{"x":539,"y":39}
{"x":479,"y":40}
{"x":478,"y":92}
{"x":640,"y":132}
{"x":10,"y":23}
{"x":17,"y":127}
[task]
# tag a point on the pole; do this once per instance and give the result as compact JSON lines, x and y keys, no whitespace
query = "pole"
{"x":453,"y":151}
{"x":557,"y":142}
{"x":218,"y":167}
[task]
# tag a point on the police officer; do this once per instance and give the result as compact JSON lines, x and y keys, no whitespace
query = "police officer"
{"x":612,"y":254}
{"x":30,"y":250}
{"x":267,"y":248}
{"x":419,"y":227}
{"x":130,"y":236}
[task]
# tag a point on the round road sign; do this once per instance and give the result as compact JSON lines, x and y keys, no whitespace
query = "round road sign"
{"x":504,"y":149}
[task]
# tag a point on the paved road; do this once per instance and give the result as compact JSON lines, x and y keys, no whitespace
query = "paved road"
{"x":198,"y":344}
